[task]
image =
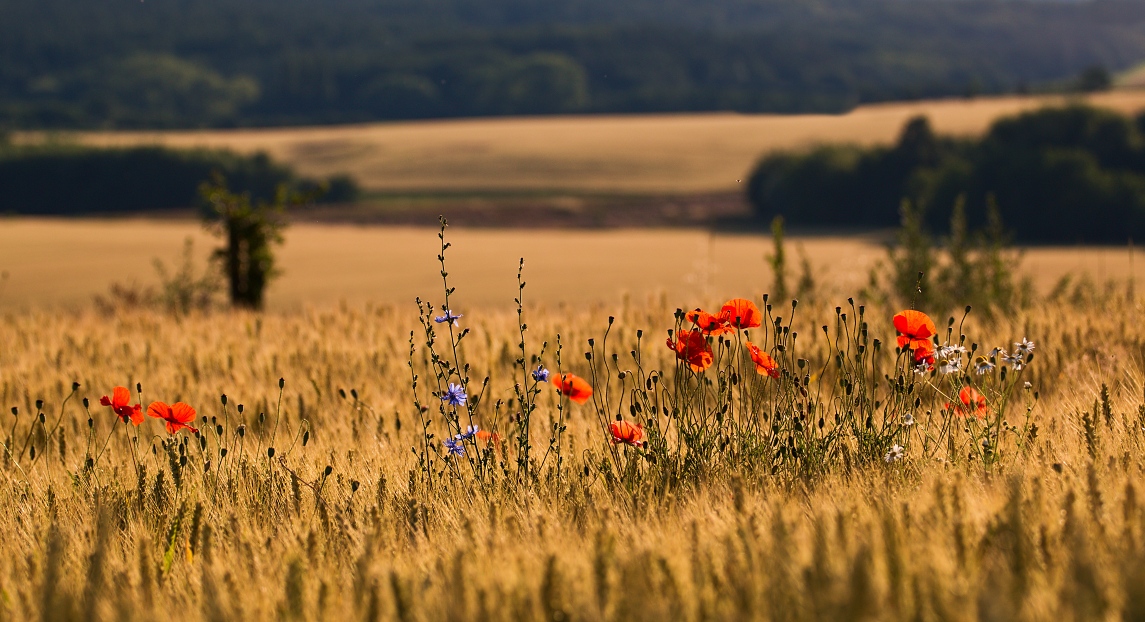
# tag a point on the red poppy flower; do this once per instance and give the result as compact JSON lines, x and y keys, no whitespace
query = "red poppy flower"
{"x":971,"y":403}
{"x":578,"y":389}
{"x":711,"y":324}
{"x":741,"y":313}
{"x":764,"y":364}
{"x":915,"y":329}
{"x":120,"y":402}
{"x":924,"y":355}
{"x":177,"y":415}
{"x":626,"y":433}
{"x":486,"y":437}
{"x":693,"y":348}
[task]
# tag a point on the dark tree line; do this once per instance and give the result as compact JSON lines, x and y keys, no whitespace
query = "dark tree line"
{"x":191,"y":63}
{"x":75,"y":180}
{"x":1072,"y":174}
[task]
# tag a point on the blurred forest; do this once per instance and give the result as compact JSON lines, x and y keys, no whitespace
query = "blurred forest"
{"x":71,"y":180}
{"x":220,"y":63}
{"x":1070,"y":174}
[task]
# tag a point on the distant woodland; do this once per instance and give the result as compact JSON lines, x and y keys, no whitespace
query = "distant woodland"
{"x":220,"y":63}
{"x":1071,"y":174}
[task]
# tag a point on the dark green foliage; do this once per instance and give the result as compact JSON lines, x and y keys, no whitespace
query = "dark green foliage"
{"x":249,"y":230}
{"x":194,"y":63}
{"x":75,"y":180}
{"x":975,"y":268}
{"x":1069,"y":174}
{"x":846,"y":185}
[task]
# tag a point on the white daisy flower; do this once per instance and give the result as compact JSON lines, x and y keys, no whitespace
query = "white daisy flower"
{"x":982,"y":365}
{"x":895,"y":454}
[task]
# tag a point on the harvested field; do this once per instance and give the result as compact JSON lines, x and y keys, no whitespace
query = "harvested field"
{"x":650,"y":154}
{"x":67,"y":262}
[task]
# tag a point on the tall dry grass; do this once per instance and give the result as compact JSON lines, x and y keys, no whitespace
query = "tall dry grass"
{"x":341,"y":523}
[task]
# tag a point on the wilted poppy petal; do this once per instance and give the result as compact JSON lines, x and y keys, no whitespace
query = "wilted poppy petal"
{"x":764,"y":363}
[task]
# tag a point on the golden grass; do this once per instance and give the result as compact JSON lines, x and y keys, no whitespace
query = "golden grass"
{"x":641,"y":154}
{"x":67,"y":262}
{"x":1051,"y":534}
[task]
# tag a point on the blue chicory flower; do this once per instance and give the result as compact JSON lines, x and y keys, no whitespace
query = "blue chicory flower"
{"x":453,"y":446}
{"x":540,"y":374}
{"x":448,"y":317}
{"x":455,"y":396}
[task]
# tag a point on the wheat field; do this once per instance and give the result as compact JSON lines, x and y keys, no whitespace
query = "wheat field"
{"x":67,"y":262}
{"x":640,"y":154}
{"x":1031,"y":512}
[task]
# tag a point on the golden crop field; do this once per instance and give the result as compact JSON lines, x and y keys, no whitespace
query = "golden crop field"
{"x":823,"y":477}
{"x":641,"y":154}
{"x":66,"y":262}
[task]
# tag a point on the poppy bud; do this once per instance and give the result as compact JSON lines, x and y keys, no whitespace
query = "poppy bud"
{"x":75,"y":387}
{"x":611,"y":319}
{"x":354,"y":393}
{"x":305,"y":438}
{"x":261,"y":417}
{"x":32,"y":454}
{"x":89,"y":463}
{"x":269,"y":452}
{"x":281,"y":382}
{"x":240,"y":409}
{"x":328,"y":471}
{"x":183,"y":461}
{"x":342,"y":393}
{"x":86,"y":403}
{"x":15,"y":411}
{"x":224,"y":399}
{"x":138,"y":387}
{"x":354,"y":484}
{"x":206,"y":466}
{"x":202,"y":442}
{"x":242,"y":431}
{"x":219,"y":430}
{"x":223,"y":452}
{"x":90,"y":423}
{"x":39,"y":404}
{"x":639,"y":333}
